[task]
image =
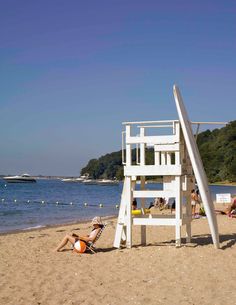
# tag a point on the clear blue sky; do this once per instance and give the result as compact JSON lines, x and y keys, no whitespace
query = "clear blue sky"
{"x":72,"y":71}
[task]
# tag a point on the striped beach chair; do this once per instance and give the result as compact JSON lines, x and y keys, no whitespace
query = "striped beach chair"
{"x":90,"y":246}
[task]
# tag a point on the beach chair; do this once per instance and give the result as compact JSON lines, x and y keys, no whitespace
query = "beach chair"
{"x":90,"y":245}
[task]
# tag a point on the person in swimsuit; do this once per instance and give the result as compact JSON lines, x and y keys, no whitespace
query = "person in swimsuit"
{"x":97,"y":226}
{"x":194,"y":201}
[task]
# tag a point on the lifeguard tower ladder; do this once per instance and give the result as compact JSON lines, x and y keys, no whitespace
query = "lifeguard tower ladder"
{"x":176,"y":161}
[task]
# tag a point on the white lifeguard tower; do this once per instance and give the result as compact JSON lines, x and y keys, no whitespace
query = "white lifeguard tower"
{"x":177,"y":161}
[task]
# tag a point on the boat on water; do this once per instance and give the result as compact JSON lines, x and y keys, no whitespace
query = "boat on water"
{"x":107,"y":182}
{"x":81,"y":179}
{"x":90,"y":181}
{"x":78,"y":180}
{"x":24,"y":178}
{"x":68,"y":180}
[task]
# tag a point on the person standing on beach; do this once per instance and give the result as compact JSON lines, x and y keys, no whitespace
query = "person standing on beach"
{"x":198,"y":199}
{"x":194,"y":200}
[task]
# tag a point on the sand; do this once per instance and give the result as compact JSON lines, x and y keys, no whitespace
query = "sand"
{"x":158,"y":273}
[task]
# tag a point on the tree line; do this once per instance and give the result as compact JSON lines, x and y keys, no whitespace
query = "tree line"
{"x":217,"y":149}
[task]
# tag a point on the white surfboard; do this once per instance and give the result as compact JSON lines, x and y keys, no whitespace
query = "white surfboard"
{"x":197,"y":165}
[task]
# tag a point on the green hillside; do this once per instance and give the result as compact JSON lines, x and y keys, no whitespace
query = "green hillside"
{"x":217,"y":149}
{"x":218,"y":152}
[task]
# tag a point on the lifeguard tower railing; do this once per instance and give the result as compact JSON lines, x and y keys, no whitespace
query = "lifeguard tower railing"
{"x":166,"y":146}
{"x":162,"y":154}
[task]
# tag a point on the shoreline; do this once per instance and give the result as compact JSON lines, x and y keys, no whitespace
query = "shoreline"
{"x":224,"y":183}
{"x":76,"y":222}
{"x":67,"y":224}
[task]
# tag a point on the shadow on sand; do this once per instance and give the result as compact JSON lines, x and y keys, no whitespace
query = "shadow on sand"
{"x":226,"y":241}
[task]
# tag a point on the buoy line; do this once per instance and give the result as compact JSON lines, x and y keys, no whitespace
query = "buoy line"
{"x":57,"y":203}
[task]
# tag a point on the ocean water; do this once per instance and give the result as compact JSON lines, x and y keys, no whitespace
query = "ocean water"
{"x":49,"y":202}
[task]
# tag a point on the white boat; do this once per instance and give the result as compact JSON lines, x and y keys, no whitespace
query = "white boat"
{"x":90,"y":181}
{"x":81,"y":178}
{"x":68,"y":180}
{"x":107,"y":182}
{"x":78,"y":180}
{"x":24,"y":178}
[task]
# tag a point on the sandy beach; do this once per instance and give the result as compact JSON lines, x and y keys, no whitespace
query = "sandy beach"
{"x":159,"y":273}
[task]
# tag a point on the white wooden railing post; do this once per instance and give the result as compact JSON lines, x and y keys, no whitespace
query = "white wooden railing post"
{"x":178,"y":205}
{"x":142,"y":163}
{"x":128,"y":146}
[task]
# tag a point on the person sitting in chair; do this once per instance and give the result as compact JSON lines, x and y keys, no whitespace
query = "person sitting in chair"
{"x":97,"y":226}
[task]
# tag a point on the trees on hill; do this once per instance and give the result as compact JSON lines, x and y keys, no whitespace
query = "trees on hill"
{"x":218,"y":152}
{"x":217,"y":149}
{"x":107,"y":166}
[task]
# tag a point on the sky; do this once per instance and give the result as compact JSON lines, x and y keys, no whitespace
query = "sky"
{"x":72,"y":71}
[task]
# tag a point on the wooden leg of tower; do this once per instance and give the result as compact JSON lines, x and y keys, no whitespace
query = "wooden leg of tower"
{"x":121,"y":228}
{"x":178,"y":212}
{"x":189,"y":219}
{"x":178,"y":235}
{"x":188,"y":231}
{"x":129,"y":215}
{"x":190,"y":186}
{"x":123,"y":235}
{"x":143,"y":228}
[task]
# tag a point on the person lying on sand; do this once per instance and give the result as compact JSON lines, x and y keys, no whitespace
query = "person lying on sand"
{"x":97,"y":226}
{"x":230,"y":210}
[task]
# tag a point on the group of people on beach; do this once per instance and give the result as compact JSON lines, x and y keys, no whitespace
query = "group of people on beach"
{"x":159,"y":202}
{"x":196,"y":205}
{"x":196,"y":201}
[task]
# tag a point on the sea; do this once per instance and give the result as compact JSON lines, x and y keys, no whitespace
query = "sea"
{"x":25,"y":206}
